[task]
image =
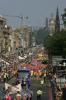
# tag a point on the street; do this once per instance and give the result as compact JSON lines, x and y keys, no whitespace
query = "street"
{"x":35,"y":85}
{"x":32,"y":49}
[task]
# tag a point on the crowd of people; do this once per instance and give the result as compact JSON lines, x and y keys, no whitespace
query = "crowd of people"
{"x":61,"y":92}
{"x":25,"y":94}
{"x":58,"y":91}
{"x":8,"y":68}
{"x":6,"y":73}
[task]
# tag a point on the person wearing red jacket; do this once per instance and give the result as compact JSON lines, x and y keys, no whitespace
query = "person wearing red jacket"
{"x":7,"y":97}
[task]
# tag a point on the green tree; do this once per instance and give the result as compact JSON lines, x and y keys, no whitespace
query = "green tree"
{"x":56,"y":45}
{"x":42,"y":33}
{"x":64,"y":17}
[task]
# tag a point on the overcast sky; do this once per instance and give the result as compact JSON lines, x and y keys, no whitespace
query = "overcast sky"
{"x":36,"y":10}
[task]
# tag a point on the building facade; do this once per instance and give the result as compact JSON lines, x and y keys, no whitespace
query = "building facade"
{"x":23,"y":35}
{"x":2,"y":37}
{"x":51,"y":25}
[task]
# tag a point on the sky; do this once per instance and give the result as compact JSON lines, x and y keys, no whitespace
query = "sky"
{"x":36,"y":10}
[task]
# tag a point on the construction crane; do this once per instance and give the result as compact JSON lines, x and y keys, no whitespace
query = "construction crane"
{"x":22,"y":18}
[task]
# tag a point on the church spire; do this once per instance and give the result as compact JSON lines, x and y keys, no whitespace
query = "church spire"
{"x":57,"y":25}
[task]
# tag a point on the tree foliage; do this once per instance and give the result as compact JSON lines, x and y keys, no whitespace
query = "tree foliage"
{"x":56,"y":45}
{"x":64,"y":17}
{"x":41,"y":35}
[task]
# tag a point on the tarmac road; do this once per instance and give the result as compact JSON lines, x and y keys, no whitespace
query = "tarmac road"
{"x":35,"y":85}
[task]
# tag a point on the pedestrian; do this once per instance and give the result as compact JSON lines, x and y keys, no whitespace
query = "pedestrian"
{"x":5,"y":76}
{"x":23,"y":84}
{"x":53,"y":86}
{"x":39,"y":94}
{"x":14,"y":98}
{"x":18,"y":96}
{"x":30,"y":94}
{"x":42,"y":82}
{"x":28,"y":82}
{"x":58,"y":93}
{"x":44,"y":76}
{"x":7,"y":96}
{"x":0,"y":68}
{"x":0,"y":77}
{"x":25,"y":97}
{"x":64,"y":92}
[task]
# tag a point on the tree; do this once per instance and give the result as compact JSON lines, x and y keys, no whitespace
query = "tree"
{"x":56,"y":45}
{"x":64,"y":17}
{"x":42,"y":33}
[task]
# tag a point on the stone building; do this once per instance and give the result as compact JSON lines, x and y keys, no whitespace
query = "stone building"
{"x":6,"y":37}
{"x":2,"y":27}
{"x":51,"y":25}
{"x":23,"y":37}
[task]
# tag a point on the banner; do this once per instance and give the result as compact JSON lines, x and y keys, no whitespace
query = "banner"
{"x":13,"y":89}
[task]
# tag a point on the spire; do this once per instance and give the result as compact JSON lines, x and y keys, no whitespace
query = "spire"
{"x":57,"y":25}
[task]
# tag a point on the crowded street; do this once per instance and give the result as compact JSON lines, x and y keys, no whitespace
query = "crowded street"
{"x":35,"y":85}
{"x":32,"y":50}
